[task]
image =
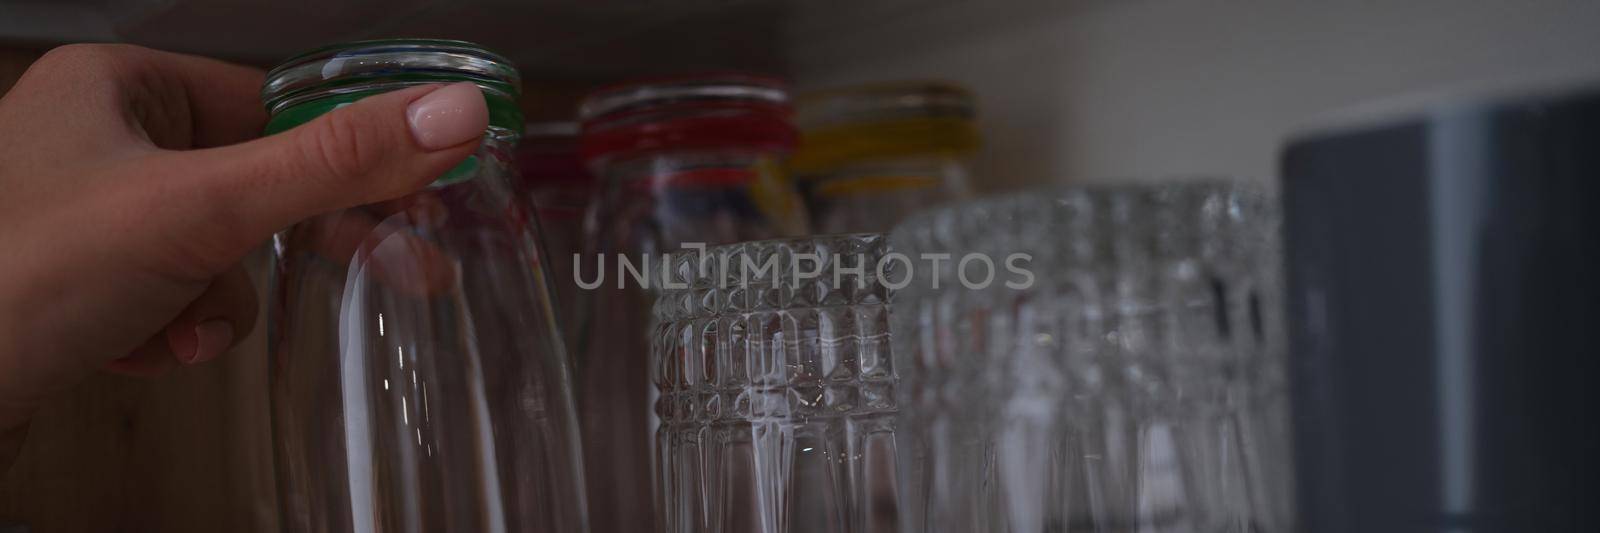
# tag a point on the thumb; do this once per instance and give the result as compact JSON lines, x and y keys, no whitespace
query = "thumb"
{"x":378,"y":148}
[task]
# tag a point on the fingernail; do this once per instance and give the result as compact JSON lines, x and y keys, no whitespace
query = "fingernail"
{"x":448,"y":116}
{"x":212,"y":337}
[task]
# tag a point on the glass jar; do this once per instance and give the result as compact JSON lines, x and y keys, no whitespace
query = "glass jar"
{"x":772,"y":359}
{"x":685,"y":160}
{"x":560,"y":189}
{"x":1095,"y":359}
{"x":872,"y":154}
{"x":417,"y":379}
{"x":700,"y":158}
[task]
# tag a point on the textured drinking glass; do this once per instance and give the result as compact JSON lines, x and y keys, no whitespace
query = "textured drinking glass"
{"x":418,"y":382}
{"x":776,"y":392}
{"x":681,"y":161}
{"x":1122,"y":372}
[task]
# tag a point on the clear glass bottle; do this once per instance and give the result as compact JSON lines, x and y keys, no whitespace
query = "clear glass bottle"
{"x":560,"y":189}
{"x":870,"y":155}
{"x":685,"y":160}
{"x":1122,"y":371}
{"x":417,"y":379}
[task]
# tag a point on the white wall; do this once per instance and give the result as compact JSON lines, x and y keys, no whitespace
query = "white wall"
{"x":1102,"y":90}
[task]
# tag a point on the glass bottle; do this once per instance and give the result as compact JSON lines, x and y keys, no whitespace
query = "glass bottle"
{"x":560,"y":190}
{"x":871,"y":154}
{"x":417,"y":379}
{"x":684,"y":160}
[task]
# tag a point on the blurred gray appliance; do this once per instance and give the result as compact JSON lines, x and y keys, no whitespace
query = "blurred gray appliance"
{"x":1444,"y":301}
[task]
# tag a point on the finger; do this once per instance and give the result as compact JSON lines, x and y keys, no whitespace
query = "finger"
{"x":185,"y":101}
{"x":177,"y":101}
{"x":378,"y":148}
{"x":408,"y":263}
{"x":151,"y":359}
{"x":216,"y":320}
{"x":225,"y":313}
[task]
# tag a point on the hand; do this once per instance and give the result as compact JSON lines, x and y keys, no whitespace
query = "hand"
{"x":130,"y":189}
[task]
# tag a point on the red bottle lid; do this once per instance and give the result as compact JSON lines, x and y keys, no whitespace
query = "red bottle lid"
{"x":727,"y":111}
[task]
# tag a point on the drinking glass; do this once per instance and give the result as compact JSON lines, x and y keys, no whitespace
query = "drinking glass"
{"x":776,"y":390}
{"x":1122,"y":371}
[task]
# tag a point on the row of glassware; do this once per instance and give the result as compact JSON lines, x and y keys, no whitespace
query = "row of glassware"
{"x":712,"y":160}
{"x":740,"y":351}
{"x":750,"y":369}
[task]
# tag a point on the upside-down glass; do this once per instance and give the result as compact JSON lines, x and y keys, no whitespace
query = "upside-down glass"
{"x":1122,"y":372}
{"x":417,"y":379}
{"x":777,"y":389}
{"x":872,"y":154}
{"x":685,"y":160}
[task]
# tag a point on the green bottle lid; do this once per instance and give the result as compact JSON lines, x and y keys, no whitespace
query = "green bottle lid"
{"x":316,"y":82}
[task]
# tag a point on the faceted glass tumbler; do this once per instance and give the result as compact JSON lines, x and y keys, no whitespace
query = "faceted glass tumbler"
{"x":1122,"y":373}
{"x":776,"y":393}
